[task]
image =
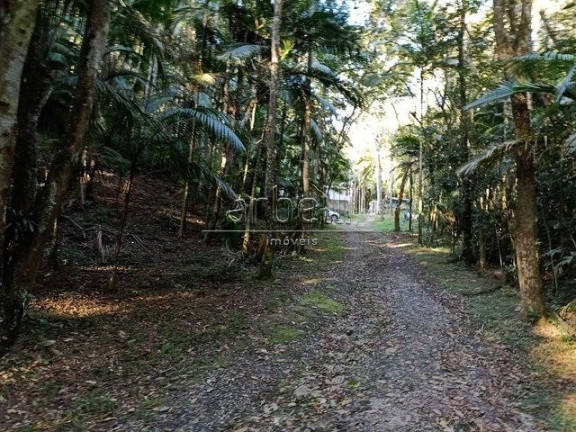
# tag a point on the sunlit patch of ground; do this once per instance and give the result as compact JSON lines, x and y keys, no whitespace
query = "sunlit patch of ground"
{"x":556,"y":351}
{"x":80,"y":306}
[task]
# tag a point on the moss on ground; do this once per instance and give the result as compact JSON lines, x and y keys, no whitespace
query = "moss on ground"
{"x":322,"y":302}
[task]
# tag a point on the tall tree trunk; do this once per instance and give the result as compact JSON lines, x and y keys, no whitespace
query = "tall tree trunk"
{"x":421,"y":168}
{"x":193,"y":143}
{"x":411,"y":187}
{"x":512,"y":29}
{"x":248,"y":122}
{"x":17,"y":22}
{"x":37,"y":85}
{"x":251,"y":217}
{"x":27,"y":256}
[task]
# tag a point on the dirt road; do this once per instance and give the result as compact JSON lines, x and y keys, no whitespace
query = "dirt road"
{"x":399,"y":356}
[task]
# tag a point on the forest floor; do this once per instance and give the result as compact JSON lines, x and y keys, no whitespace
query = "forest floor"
{"x":363,"y":332}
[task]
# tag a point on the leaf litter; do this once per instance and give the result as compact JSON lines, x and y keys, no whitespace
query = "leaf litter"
{"x":361,"y":342}
{"x":402,"y":356}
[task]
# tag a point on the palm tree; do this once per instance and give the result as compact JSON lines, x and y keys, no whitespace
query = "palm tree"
{"x":522,"y":147}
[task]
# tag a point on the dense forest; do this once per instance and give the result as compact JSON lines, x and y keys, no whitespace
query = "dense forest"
{"x":247,"y":100}
{"x":288,"y":215}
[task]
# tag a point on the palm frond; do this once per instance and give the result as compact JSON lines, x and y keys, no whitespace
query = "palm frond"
{"x":224,"y":187}
{"x":135,"y":24}
{"x":348,"y":90}
{"x":155,"y":103}
{"x":549,"y":56}
{"x":316,"y":131}
{"x":489,"y":156}
{"x":212,"y":122}
{"x":112,"y":158}
{"x":570,"y":91}
{"x":509,"y":88}
{"x":322,"y":68}
{"x":119,"y":97}
{"x":239,"y":53}
{"x":564,"y":85}
{"x":64,"y":49}
{"x":122,"y":49}
{"x":328,"y":106}
{"x":404,"y":165}
{"x":187,"y":16}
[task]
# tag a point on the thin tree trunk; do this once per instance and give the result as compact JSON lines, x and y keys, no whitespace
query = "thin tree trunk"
{"x":307,"y":142}
{"x":186,"y":199}
{"x":400,"y":198}
{"x":265,"y":271}
{"x":421,"y":164}
{"x":411,"y":186}
{"x":270,"y":134}
{"x":378,"y":180}
{"x":248,"y":122}
{"x":193,"y":140}
{"x":481,"y":249}
{"x":52,"y":259}
{"x":123,"y":221}
{"x":466,"y":187}
{"x":251,"y":205}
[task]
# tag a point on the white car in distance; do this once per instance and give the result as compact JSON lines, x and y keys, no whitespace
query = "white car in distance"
{"x":332,"y":216}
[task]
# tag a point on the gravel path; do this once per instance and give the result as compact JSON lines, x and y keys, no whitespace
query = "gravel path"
{"x":402,"y":357}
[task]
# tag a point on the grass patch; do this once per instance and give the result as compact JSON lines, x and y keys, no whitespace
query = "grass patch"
{"x":564,"y":415}
{"x":322,"y":302}
{"x":285,"y":334}
{"x":385,"y":223}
